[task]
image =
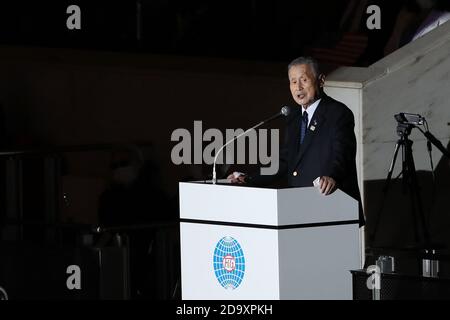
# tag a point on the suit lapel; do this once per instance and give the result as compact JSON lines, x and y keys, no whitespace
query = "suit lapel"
{"x":313,"y":130}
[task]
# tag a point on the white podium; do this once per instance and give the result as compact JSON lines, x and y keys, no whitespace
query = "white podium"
{"x":266,"y":244}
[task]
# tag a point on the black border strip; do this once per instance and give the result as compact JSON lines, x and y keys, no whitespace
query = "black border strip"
{"x":263,"y":226}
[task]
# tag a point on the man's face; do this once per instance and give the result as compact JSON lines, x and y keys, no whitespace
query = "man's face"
{"x":305,"y":87}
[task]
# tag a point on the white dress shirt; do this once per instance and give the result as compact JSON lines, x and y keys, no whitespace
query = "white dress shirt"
{"x":311,"y":109}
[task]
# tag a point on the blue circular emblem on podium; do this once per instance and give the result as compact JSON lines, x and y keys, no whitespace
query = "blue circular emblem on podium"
{"x":229,"y":263}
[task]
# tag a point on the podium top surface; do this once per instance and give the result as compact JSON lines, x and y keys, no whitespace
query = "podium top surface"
{"x":264,"y":207}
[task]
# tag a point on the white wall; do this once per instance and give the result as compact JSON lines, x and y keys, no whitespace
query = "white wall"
{"x":415,"y":79}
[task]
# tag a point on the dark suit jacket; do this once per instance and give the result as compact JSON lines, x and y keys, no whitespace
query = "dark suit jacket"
{"x":328,"y":149}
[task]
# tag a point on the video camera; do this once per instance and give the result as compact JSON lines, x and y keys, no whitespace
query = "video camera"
{"x":409,"y":118}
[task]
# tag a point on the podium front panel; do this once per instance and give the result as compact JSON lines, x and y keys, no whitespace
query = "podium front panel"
{"x":226,"y":262}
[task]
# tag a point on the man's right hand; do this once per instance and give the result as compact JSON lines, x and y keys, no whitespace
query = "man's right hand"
{"x":237,"y":177}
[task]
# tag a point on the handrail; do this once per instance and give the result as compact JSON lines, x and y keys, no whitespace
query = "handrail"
{"x":71,"y":148}
{"x":156,"y":225}
{"x":94,"y":228}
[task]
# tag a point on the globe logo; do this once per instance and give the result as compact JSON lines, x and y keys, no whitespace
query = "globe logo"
{"x":229,"y":263}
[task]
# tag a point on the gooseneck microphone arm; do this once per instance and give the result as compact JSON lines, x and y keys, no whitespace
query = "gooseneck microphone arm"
{"x":284,"y":112}
{"x":214,"y":177}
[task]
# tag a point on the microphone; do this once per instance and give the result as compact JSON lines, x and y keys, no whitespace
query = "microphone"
{"x":283,"y":112}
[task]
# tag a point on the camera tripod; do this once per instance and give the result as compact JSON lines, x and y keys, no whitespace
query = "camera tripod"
{"x":409,"y":185}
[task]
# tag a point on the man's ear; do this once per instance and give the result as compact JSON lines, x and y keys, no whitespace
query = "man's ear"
{"x":321,"y":80}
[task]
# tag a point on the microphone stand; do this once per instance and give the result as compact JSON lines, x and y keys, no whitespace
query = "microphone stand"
{"x":214,"y":176}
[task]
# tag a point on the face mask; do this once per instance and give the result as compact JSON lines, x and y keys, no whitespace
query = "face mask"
{"x":426,"y":4}
{"x":125,"y":175}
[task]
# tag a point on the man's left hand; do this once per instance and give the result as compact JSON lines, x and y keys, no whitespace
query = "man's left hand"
{"x":327,"y":185}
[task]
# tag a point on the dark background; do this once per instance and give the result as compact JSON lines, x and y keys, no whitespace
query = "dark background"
{"x":249,"y":29}
{"x":137,"y":70}
{"x":80,"y":105}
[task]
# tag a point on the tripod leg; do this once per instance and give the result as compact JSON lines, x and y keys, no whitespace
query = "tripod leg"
{"x":385,"y":191}
{"x":408,"y":185}
{"x":391,"y":168}
{"x":416,"y":199}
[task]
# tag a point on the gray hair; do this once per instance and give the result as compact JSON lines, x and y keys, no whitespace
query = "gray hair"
{"x":306,"y":60}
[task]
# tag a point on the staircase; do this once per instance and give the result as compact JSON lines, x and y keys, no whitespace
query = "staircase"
{"x":345,"y":52}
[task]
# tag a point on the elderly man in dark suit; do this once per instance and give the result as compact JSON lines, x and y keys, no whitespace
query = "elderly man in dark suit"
{"x":320,"y":140}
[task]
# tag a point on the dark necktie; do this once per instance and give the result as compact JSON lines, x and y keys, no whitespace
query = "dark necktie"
{"x":303,"y":126}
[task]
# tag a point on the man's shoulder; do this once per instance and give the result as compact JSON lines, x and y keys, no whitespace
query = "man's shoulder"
{"x":334,"y":106}
{"x":329,"y":101}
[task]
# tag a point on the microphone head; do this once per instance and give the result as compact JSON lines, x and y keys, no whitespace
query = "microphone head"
{"x":285,"y":111}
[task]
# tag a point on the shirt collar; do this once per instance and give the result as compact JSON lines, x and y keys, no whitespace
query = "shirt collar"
{"x":311,"y":109}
